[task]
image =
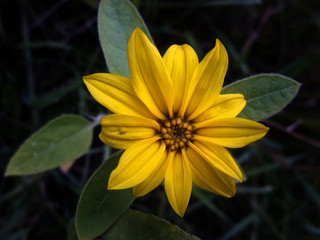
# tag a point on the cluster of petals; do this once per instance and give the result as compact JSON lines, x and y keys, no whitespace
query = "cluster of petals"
{"x":172,"y":121}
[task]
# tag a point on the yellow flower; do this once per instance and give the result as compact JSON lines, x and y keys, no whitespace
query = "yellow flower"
{"x":172,"y":121}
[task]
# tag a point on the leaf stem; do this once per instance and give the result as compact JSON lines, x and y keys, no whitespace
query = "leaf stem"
{"x":29,"y":69}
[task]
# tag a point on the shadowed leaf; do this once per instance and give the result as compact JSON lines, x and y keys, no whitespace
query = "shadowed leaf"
{"x":139,"y":226}
{"x":116,"y":21}
{"x":61,"y":141}
{"x":99,"y":208}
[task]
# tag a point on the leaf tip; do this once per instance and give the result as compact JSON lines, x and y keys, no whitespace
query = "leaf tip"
{"x":10,"y":171}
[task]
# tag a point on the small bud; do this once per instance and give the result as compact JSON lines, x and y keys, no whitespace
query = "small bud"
{"x":166,"y":136}
{"x":181,"y":144}
{"x":167,"y":123}
{"x":189,"y":136}
{"x":164,"y":130}
{"x":179,"y":120}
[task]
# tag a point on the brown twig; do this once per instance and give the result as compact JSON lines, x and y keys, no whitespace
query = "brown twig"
{"x":290,"y":131}
{"x":81,"y":29}
{"x":48,"y":13}
{"x":255,"y":34}
{"x":279,"y":159}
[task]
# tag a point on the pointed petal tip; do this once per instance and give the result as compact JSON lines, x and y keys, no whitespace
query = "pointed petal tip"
{"x":264,"y":130}
{"x":111,"y":185}
{"x":230,"y":195}
{"x":179,"y":211}
{"x":116,"y":186}
{"x":181,"y":214}
{"x":218,"y":41}
{"x":137,"y":32}
{"x":101,"y":137}
{"x":223,"y":51}
{"x":94,"y":76}
{"x":86,"y":76}
{"x":136,"y":193}
{"x":239,"y":177}
{"x":86,"y":79}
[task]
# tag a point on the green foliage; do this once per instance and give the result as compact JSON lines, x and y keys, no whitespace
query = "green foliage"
{"x":61,"y":141}
{"x":139,"y":226}
{"x":266,"y":94}
{"x":48,"y":47}
{"x":116,"y":21}
{"x":99,"y":208}
{"x":136,"y":225}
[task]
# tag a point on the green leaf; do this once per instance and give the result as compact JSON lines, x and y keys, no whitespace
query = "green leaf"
{"x":116,"y":21}
{"x":99,"y":208}
{"x":266,"y":94}
{"x":136,"y":225}
{"x":60,"y":141}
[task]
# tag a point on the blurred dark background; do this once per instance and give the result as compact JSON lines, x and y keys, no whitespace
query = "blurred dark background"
{"x":47,"y":46}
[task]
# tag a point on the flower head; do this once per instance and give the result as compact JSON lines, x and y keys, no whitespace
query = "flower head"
{"x":172,"y":121}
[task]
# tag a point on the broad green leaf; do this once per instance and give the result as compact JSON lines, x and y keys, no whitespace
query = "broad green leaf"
{"x":139,"y":226}
{"x":99,"y":208}
{"x":60,"y":141}
{"x":116,"y":21}
{"x":266,"y":94}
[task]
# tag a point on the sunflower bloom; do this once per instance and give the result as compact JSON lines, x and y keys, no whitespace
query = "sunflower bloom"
{"x":172,"y":121}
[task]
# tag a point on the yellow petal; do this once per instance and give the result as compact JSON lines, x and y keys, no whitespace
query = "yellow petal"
{"x":137,"y":163}
{"x":218,"y":157}
{"x":231,"y":132}
{"x":115,"y":92}
{"x":150,"y":78}
{"x":209,"y":178}
{"x":180,"y":62}
{"x":207,"y":81}
{"x":178,"y":183}
{"x":226,"y":106}
{"x":153,"y":180}
{"x":121,"y":131}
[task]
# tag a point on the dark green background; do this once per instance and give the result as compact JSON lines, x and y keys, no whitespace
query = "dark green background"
{"x":45,"y":48}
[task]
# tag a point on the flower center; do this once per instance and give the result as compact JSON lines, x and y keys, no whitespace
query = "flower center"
{"x":176,"y":133}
